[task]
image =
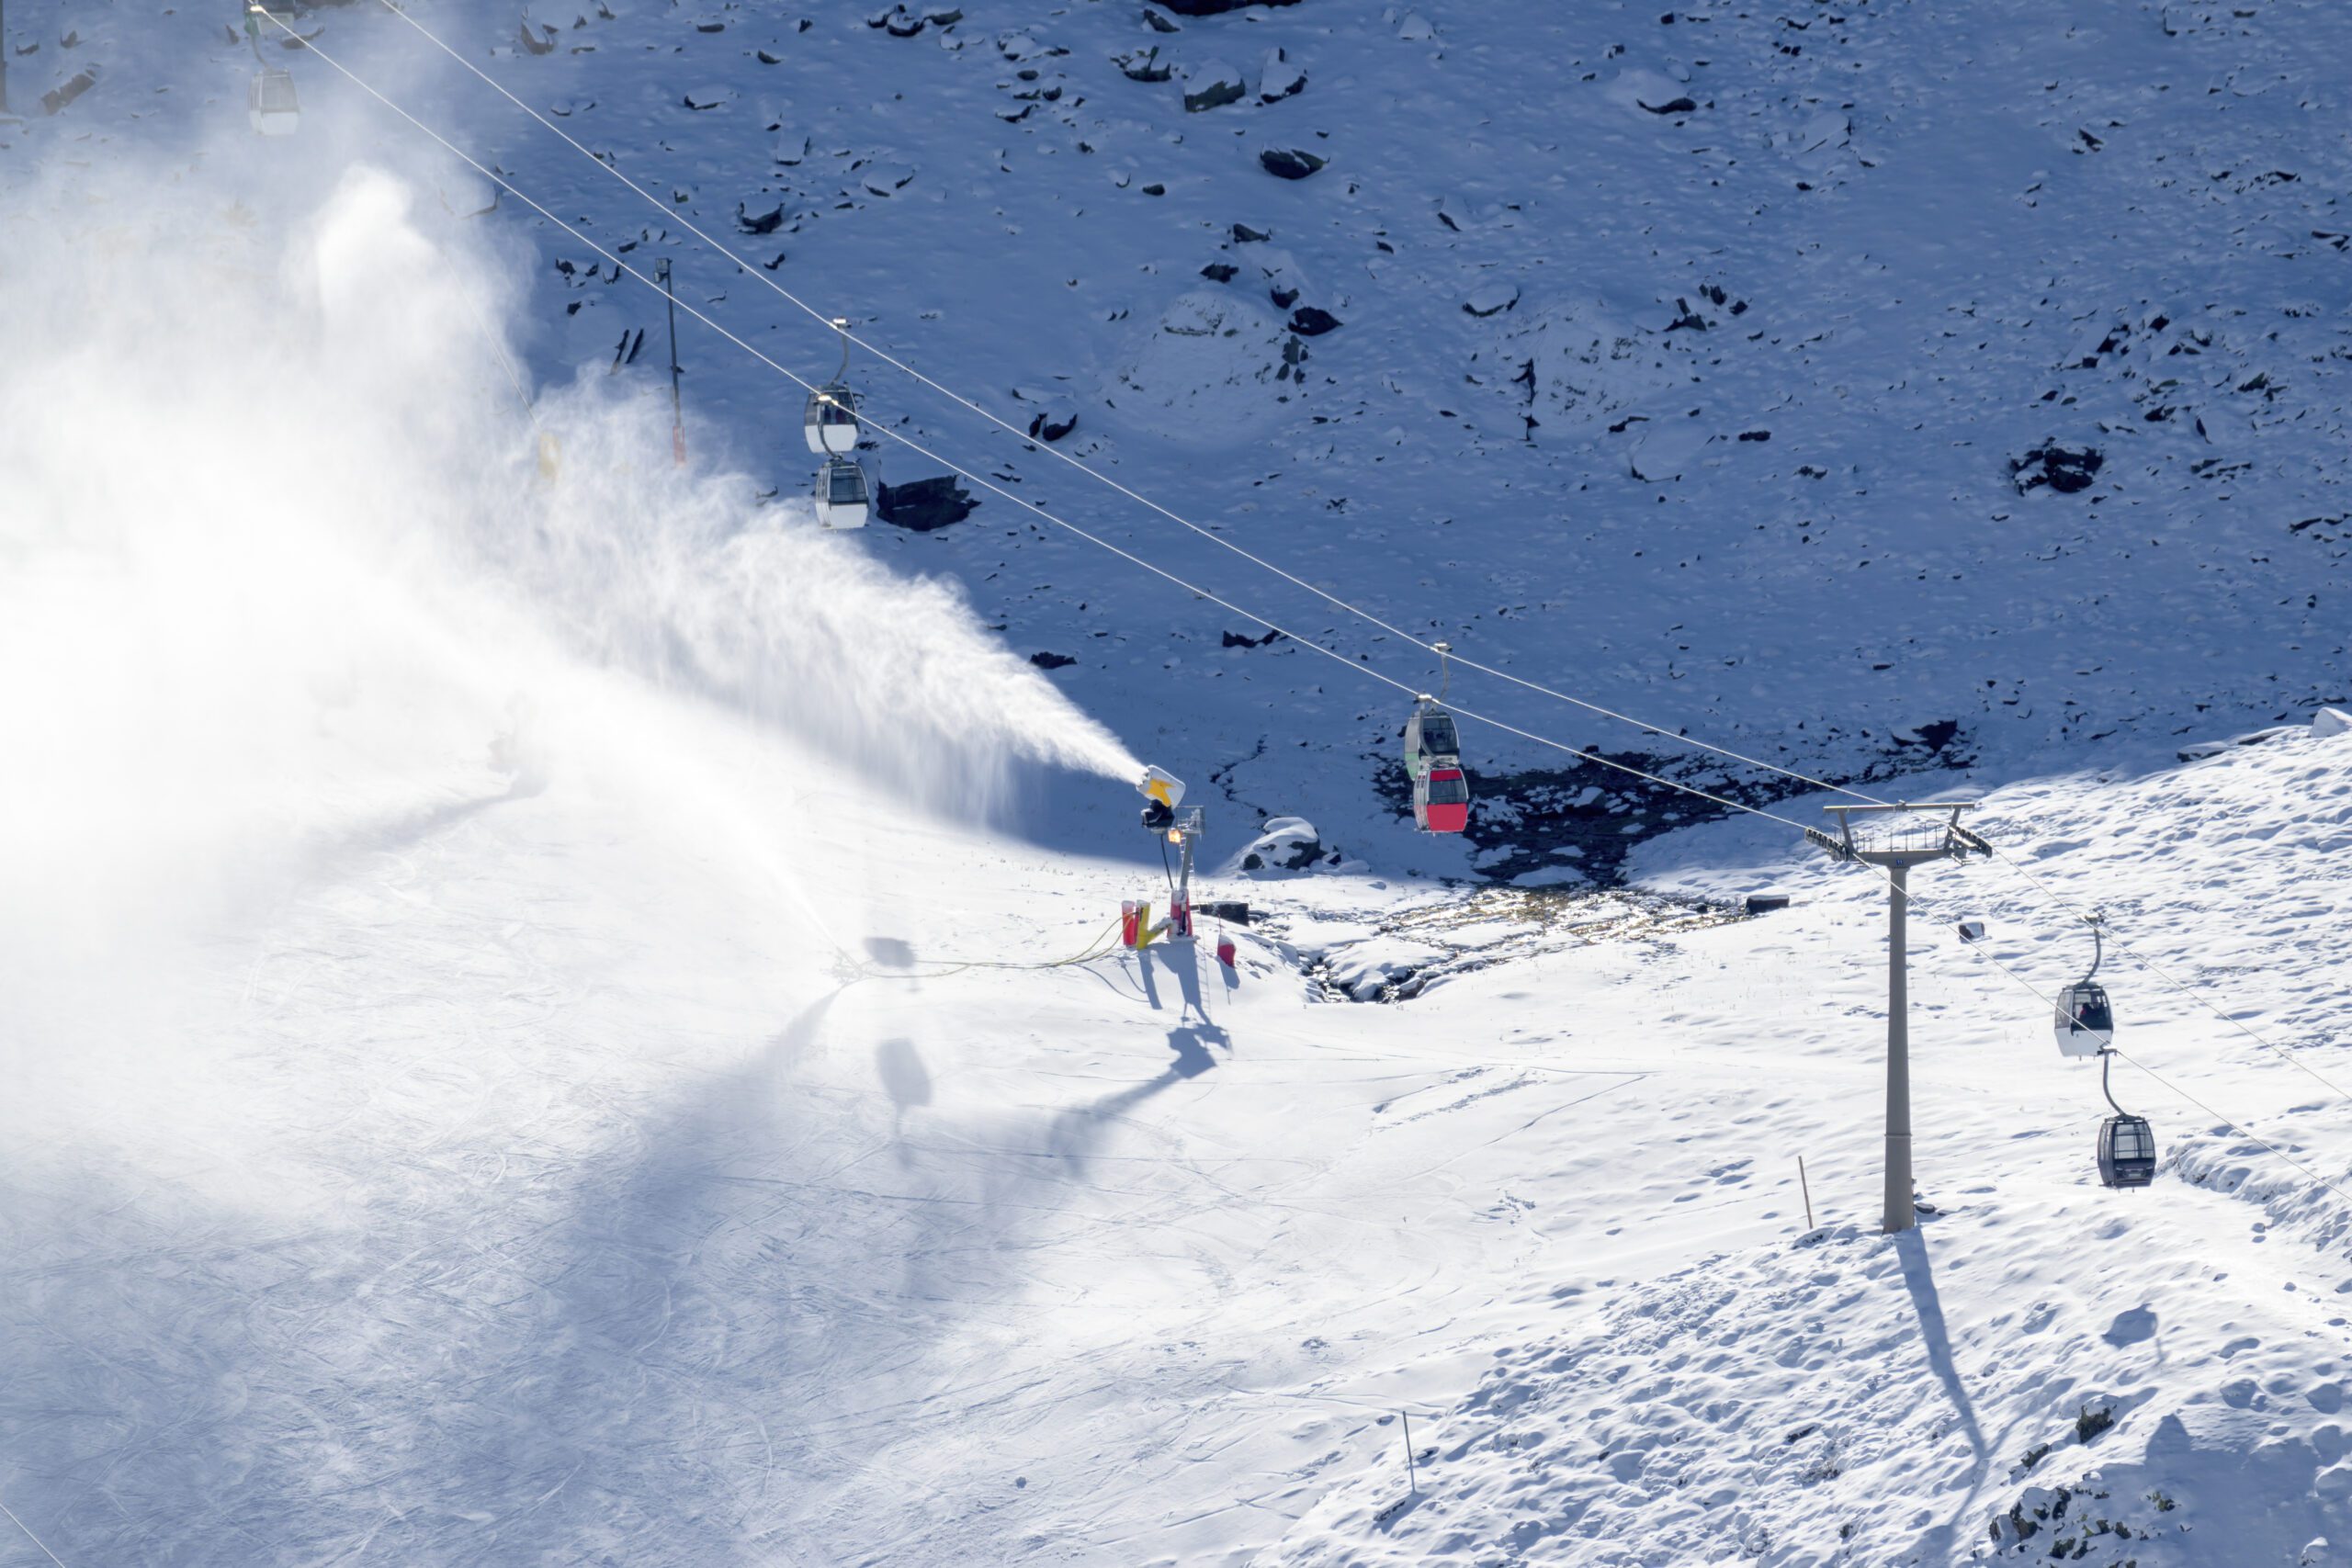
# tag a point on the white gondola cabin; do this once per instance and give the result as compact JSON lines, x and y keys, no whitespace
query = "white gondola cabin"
{"x":271,"y":103}
{"x":1430,"y":740}
{"x":2084,"y":1022}
{"x":842,"y":498}
{"x":830,"y":421}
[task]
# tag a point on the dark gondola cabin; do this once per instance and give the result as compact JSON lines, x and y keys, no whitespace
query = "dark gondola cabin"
{"x":2127,"y":1152}
{"x":1442,"y":801}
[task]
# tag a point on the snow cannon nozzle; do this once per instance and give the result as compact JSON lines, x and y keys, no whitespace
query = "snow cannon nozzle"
{"x":1165,"y":791}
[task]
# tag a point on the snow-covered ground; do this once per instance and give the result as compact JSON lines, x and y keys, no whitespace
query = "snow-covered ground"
{"x":536,"y":1015}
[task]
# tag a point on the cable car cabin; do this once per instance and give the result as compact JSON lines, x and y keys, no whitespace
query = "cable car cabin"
{"x":1430,"y":738}
{"x":2085,"y":1019}
{"x":1442,"y":801}
{"x":271,"y":105}
{"x":831,"y":422}
{"x":2127,"y":1152}
{"x":843,"y":501}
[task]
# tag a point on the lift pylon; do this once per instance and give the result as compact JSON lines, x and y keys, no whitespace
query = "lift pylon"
{"x":1932,"y":832}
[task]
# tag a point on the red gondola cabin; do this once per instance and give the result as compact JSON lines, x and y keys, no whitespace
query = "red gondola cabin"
{"x":1442,"y":801}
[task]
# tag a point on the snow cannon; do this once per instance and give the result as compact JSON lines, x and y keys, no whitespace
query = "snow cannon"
{"x":1165,"y":791}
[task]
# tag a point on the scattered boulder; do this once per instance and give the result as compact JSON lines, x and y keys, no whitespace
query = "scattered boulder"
{"x":1492,"y":298}
{"x":1290,"y":163}
{"x":1213,"y":85}
{"x":54,"y":100}
{"x":1054,"y":418}
{"x":766,"y":223}
{"x":2063,"y":467}
{"x":1217,"y":7}
{"x":707,"y":97}
{"x":1219,"y":272}
{"x":1672,"y":106}
{"x":903,"y":24}
{"x":1159,"y":23}
{"x":1284,"y":844}
{"x":536,"y":42}
{"x":921,"y":506}
{"x":1143,"y":65}
{"x":1312,"y":320}
{"x":1280,"y":78}
{"x":1051,"y":660}
{"x":1245,"y":234}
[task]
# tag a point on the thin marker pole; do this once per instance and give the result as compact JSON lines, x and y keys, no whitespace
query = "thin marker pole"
{"x":1412,"y":1479}
{"x":1805,"y":1187}
{"x":677,"y":402}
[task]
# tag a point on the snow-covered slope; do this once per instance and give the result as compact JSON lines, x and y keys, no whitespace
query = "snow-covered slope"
{"x":1782,"y":351}
{"x":535,"y":1016}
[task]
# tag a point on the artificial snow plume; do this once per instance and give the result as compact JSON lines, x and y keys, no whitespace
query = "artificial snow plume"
{"x":331,"y":515}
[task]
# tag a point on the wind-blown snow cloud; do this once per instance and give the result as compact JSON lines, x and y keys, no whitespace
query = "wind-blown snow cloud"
{"x":262,"y":483}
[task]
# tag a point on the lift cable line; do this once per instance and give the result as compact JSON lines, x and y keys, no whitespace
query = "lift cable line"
{"x":760,"y":275}
{"x":921,"y":450}
{"x":2232,"y":1123}
{"x":2293,"y":1057}
{"x":1588,"y":754}
{"x":839,"y":324}
{"x":37,"y":1541}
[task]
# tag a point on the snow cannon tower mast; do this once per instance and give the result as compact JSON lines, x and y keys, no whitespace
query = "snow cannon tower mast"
{"x":1163,"y":792}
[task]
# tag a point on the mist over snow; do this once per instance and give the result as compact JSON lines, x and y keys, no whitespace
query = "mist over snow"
{"x":552,"y":1010}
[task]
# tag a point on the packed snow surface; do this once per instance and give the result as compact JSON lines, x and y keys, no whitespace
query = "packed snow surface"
{"x":551,"y":1012}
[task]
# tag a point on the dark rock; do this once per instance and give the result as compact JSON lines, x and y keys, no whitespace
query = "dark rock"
{"x":1155,"y":188}
{"x":1283,"y":296}
{"x":1219,"y":272}
{"x":769,"y":57}
{"x":1159,"y":23}
{"x":1143,"y":65}
{"x":57,"y":98}
{"x":1052,"y":425}
{"x":1241,"y":640}
{"x":1312,"y":320}
{"x":766,"y":223}
{"x":2065,"y":468}
{"x":945,"y":17}
{"x":1290,"y":163}
{"x":1217,"y":7}
{"x":923,"y":505}
{"x":1756,"y":435}
{"x":1672,"y":106}
{"x":1278,"y":78}
{"x":1212,"y":86}
{"x":1243,"y":233}
{"x":903,"y":24}
{"x":1051,"y":660}
{"x":535,"y":42}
